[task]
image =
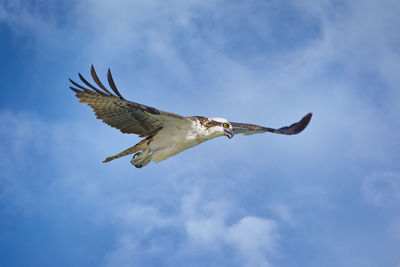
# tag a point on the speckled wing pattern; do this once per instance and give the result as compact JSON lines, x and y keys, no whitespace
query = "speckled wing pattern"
{"x":295,"y":128}
{"x":114,"y":110}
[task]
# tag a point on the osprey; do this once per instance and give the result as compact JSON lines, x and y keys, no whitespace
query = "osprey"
{"x":165,"y":134}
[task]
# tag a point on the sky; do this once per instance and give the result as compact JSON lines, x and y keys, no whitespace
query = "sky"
{"x":329,"y":196}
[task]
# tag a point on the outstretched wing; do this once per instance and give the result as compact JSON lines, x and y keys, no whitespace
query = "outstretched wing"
{"x":127,"y":116}
{"x":295,"y":128}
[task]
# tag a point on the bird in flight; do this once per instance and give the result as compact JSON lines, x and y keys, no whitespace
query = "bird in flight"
{"x":165,"y":134}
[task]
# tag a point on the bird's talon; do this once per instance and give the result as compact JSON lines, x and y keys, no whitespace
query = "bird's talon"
{"x":137,"y":155}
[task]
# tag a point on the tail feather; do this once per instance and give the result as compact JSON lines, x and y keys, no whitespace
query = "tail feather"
{"x":142,"y":145}
{"x":131,"y":150}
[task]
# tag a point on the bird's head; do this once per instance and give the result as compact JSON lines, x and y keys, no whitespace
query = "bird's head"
{"x":223,"y":127}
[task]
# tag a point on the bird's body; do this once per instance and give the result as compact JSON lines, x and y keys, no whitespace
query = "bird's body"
{"x":166,"y":134}
{"x":169,"y":141}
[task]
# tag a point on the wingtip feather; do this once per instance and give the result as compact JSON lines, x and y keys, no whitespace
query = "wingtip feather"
{"x":301,"y":125}
{"x":74,"y":89}
{"x":112,"y":84}
{"x":97,"y":80}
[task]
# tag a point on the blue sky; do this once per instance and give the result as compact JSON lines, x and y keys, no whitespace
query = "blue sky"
{"x":329,"y":196}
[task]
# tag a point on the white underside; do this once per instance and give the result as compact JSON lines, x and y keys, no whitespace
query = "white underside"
{"x":169,"y":141}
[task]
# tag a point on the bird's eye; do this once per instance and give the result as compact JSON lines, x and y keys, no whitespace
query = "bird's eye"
{"x":226,"y":125}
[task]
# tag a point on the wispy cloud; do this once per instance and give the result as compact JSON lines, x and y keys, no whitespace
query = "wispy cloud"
{"x":255,"y":238}
{"x":140,"y":224}
{"x":206,"y":228}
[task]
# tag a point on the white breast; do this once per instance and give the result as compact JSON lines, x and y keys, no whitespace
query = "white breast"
{"x":169,"y":141}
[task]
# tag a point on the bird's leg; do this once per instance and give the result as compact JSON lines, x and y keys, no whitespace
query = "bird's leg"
{"x":141,"y":159}
{"x":145,"y":161}
{"x":136,"y":159}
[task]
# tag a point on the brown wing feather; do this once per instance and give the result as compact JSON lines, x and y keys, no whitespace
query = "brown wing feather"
{"x":127,"y":116}
{"x":295,"y":128}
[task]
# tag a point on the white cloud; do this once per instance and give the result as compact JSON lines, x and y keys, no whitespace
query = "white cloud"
{"x":206,"y":223}
{"x":25,"y":18}
{"x":21,"y":134}
{"x":283,"y":212}
{"x":207,"y":230}
{"x":255,"y":238}
{"x":145,"y":217}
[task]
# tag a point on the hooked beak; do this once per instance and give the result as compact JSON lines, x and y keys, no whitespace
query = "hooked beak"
{"x":229,"y":133}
